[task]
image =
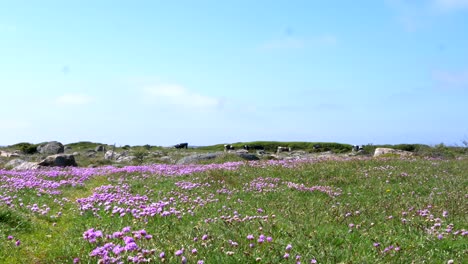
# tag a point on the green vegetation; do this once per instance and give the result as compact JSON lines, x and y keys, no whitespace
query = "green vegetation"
{"x":336,"y":211}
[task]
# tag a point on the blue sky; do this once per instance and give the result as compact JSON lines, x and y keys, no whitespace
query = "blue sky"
{"x":208,"y":72}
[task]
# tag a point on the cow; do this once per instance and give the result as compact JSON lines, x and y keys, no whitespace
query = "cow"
{"x":283,"y":149}
{"x":357,"y":148}
{"x":181,"y":145}
{"x":228,"y":147}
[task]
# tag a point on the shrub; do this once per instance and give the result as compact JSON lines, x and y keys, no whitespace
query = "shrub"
{"x":26,"y":148}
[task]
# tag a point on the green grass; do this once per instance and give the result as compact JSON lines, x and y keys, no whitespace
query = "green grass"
{"x":376,"y":195}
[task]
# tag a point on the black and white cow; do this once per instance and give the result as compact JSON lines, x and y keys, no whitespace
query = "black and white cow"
{"x":181,"y":145}
{"x":228,"y":147}
{"x":283,"y":149}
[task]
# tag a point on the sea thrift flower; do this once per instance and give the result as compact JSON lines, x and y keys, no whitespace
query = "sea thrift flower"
{"x":286,"y":256}
{"x":10,"y":237}
{"x":194,"y":251}
{"x":76,"y":260}
{"x":18,"y":242}
{"x":313,"y":261}
{"x":269,"y":239}
{"x":250,"y":237}
{"x":200,"y":262}
{"x":179,"y":252}
{"x":204,"y":237}
{"x":376,"y":244}
{"x":288,"y":248}
{"x":184,"y":260}
{"x":162,"y":255}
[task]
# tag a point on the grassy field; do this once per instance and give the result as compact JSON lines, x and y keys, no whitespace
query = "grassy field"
{"x":337,"y":210}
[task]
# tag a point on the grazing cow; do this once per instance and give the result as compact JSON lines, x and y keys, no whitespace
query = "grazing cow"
{"x":256,"y":147}
{"x":357,"y":148}
{"x":284,"y":149}
{"x":317,"y":146}
{"x":181,"y":145}
{"x":228,"y":147}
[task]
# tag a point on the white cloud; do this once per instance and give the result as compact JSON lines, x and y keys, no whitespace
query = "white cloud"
{"x":74,"y":99}
{"x":451,"y":80}
{"x":179,"y":96}
{"x":451,"y":4}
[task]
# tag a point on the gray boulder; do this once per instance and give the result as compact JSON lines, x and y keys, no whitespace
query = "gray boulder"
{"x":59,"y":160}
{"x":14,"y":163}
{"x":199,"y":157}
{"x":248,"y":156}
{"x":90,"y":153}
{"x":382,"y":151}
{"x":27,"y":166}
{"x":51,"y":148}
{"x":100,"y":148}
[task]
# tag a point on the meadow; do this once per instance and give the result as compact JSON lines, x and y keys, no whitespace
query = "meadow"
{"x":333,"y":210}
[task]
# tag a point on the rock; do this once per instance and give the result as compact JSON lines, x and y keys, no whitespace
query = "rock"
{"x":8,"y":154}
{"x":110,"y":155}
{"x":199,"y":157}
{"x":91,"y":153}
{"x":248,"y":156}
{"x":166,"y":159}
{"x":76,"y":153}
{"x":59,"y":160}
{"x":51,"y":148}
{"x":14,"y":163}
{"x":382,"y":151}
{"x":100,"y":148}
{"x":242,"y":151}
{"x":27,"y":166}
{"x":261,"y":152}
{"x":125,"y":158}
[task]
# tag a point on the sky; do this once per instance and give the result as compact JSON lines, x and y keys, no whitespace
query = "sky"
{"x":209,"y":72}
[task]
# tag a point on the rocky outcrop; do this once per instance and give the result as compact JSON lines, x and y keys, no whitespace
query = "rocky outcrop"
{"x":14,"y":163}
{"x":382,"y":151}
{"x":59,"y":160}
{"x":248,"y":156}
{"x":51,"y":148}
{"x":8,"y":154}
{"x":199,"y":157}
{"x":100,"y":148}
{"x":27,"y":166}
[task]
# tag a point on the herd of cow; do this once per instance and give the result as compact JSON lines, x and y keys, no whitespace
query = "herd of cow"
{"x":228,"y":147}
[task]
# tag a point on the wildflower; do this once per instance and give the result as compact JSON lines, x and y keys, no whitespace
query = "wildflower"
{"x":440,"y":236}
{"x":250,"y":237}
{"x":76,"y":260}
{"x":376,"y":244}
{"x":200,"y":262}
{"x":17,"y":243}
{"x":251,"y":245}
{"x":204,"y":237}
{"x":288,"y":247}
{"x":194,"y":251}
{"x":444,"y":213}
{"x":10,"y":237}
{"x":313,"y":261}
{"x":162,"y":255}
{"x":230,"y":253}
{"x":269,"y":239}
{"x":179,"y":252}
{"x":286,"y":256}
{"x":184,"y":260}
